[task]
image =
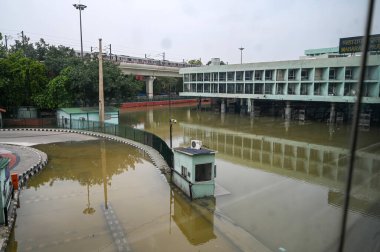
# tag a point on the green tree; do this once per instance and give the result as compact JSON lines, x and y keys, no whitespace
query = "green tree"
{"x":165,"y":85}
{"x":196,"y":62}
{"x":21,"y":80}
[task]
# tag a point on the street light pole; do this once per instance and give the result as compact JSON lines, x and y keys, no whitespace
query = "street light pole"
{"x":80,"y":7}
{"x":241,"y":54}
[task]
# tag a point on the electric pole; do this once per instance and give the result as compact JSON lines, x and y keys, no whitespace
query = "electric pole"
{"x":101,"y":90}
{"x":6,"y":42}
{"x":22,"y":38}
{"x":110,"y":52}
{"x":241,"y":54}
{"x":163,"y":56}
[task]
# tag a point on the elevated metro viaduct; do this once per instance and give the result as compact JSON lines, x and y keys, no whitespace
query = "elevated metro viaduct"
{"x":329,"y":82}
{"x":150,"y":72}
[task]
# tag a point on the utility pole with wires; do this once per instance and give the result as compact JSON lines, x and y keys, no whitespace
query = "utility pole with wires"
{"x":101,"y":89}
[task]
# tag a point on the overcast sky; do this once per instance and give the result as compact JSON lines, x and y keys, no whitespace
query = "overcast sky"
{"x":187,"y":29}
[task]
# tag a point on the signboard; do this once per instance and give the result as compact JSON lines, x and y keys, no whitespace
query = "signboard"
{"x":354,"y":44}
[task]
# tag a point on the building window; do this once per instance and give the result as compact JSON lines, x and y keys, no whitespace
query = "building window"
{"x":280,"y":88}
{"x":193,"y":87}
{"x":291,"y":89}
{"x":258,"y":75}
{"x":214,"y":76}
{"x":248,"y":75}
{"x":214,"y":88}
{"x":349,"y":89}
{"x":317,"y":89}
{"x":292,"y":74}
{"x":280,"y":75}
{"x":207,"y":76}
{"x":304,"y":89}
{"x":203,"y":172}
{"x":332,"y":89}
{"x":193,"y":77}
{"x":239,"y":75}
{"x":248,"y":88}
{"x":231,"y":76}
{"x":239,"y":88}
{"x":222,"y":76}
{"x":268,"y":74}
{"x":332,"y":74}
{"x":304,"y":74}
{"x":186,"y":77}
{"x":183,"y":171}
{"x":230,"y":88}
{"x":200,"y":77}
{"x":186,"y":87}
{"x":207,"y":88}
{"x":199,"y":88}
{"x":268,"y":88}
{"x":222,"y":87}
{"x":348,"y":74}
{"x":259,"y":88}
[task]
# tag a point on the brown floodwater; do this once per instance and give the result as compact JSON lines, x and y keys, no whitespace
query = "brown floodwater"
{"x":285,"y":180}
{"x":281,"y":183}
{"x":106,"y":196}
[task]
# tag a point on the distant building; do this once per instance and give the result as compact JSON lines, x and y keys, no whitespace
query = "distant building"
{"x":79,"y":118}
{"x":322,"y":79}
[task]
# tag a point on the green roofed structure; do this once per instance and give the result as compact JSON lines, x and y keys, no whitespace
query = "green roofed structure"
{"x":77,"y":118}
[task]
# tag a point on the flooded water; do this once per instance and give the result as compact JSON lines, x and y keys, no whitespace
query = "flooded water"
{"x":106,"y":196}
{"x":282,"y":183}
{"x":285,"y":179}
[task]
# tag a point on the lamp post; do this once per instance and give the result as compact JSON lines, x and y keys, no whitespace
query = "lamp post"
{"x":241,"y":54}
{"x":171,"y":121}
{"x":80,"y":7}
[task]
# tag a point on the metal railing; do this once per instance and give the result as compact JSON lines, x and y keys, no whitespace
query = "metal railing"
{"x":124,"y":131}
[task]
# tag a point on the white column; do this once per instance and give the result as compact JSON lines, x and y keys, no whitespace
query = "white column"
{"x":223,"y":107}
{"x":149,"y":86}
{"x":332,"y":113}
{"x":252,"y":107}
{"x":249,"y":105}
{"x":288,"y":111}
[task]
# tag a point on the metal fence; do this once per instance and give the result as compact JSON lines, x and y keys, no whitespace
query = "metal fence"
{"x":127,"y":132}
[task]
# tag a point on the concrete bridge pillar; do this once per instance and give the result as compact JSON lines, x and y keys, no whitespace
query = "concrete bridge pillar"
{"x":288,"y":111}
{"x":223,"y":107}
{"x":149,"y":86}
{"x":332,"y":113}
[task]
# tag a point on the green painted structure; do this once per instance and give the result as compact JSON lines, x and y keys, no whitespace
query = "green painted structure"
{"x":78,"y":118}
{"x":194,"y":171}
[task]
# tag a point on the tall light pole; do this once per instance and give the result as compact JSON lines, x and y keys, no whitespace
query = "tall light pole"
{"x":241,"y":54}
{"x":80,"y":7}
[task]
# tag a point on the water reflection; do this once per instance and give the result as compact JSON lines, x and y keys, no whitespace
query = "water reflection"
{"x":85,"y":162}
{"x":68,"y":200}
{"x":264,"y":162}
{"x":195,"y":224}
{"x":315,"y":163}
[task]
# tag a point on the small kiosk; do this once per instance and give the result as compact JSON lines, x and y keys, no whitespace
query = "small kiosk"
{"x":194,"y":170}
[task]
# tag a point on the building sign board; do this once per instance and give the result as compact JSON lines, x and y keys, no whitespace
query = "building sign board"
{"x":354,"y":44}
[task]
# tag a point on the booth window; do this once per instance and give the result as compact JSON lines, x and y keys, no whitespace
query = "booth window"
{"x":203,"y":172}
{"x":183,"y":171}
